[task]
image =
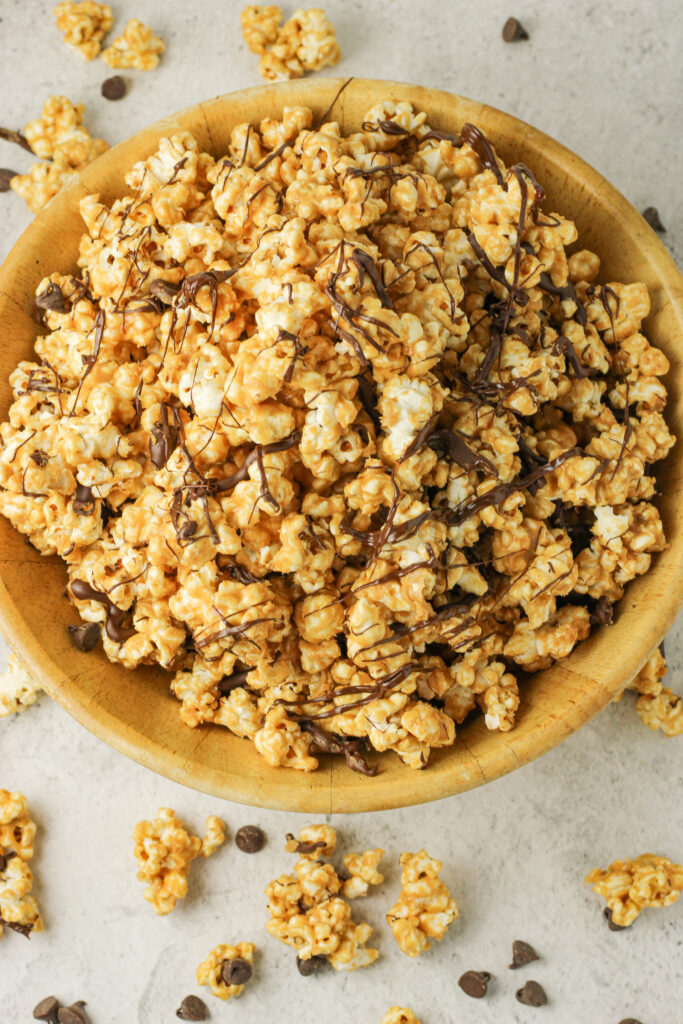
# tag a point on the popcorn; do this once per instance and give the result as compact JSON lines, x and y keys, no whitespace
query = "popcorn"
{"x":17,"y":689}
{"x":227,"y":969}
{"x":306,"y":42}
{"x":629,"y":886}
{"x":658,"y":706}
{"x":164,"y":851}
{"x":18,"y":909}
{"x":84,"y":25}
{"x":138,"y":48}
{"x":424,"y":909}
{"x":399,"y":1015}
{"x":331,"y":428}
{"x":362,"y":868}
{"x":314,"y":841}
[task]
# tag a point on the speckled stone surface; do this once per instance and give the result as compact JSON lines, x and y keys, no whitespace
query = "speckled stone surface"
{"x":606,"y":80}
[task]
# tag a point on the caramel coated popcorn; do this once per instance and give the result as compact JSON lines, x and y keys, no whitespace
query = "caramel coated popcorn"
{"x":658,"y":706}
{"x":629,"y":886}
{"x":227,"y":969}
{"x":399,"y":1015}
{"x":137,"y":48}
{"x":84,"y":25}
{"x":59,"y":137}
{"x":164,"y":851}
{"x":18,"y":690}
{"x":306,"y":42}
{"x":363,"y":869}
{"x":331,"y":428}
{"x":18,"y":909}
{"x":425,"y":908}
{"x":314,"y":841}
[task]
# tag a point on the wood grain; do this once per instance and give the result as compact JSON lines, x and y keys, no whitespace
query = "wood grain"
{"x":133,"y":711}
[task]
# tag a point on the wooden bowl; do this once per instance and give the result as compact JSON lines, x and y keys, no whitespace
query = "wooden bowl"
{"x":133,"y":711}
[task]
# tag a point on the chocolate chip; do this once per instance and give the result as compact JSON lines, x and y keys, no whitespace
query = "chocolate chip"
{"x":474,"y":983}
{"x":192,"y":1008}
{"x":114,"y":88}
{"x":5,"y":177}
{"x":313,"y":965}
{"x":513,"y":31}
{"x":51,"y":299}
{"x":46,"y":1010}
{"x":629,"y":1020}
{"x":84,"y":501}
{"x":39,"y":457}
{"x":73,"y":1014}
{"x":522,"y":953}
{"x":532,"y":994}
{"x":603,"y":613}
{"x":187,"y":530}
{"x":651,"y":215}
{"x":236,"y":972}
{"x":85,"y":636}
{"x":611,"y":923}
{"x":250,"y":839}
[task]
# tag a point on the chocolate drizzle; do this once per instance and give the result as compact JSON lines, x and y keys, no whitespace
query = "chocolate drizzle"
{"x":323,"y":742}
{"x":476,"y":140}
{"x":566,"y":293}
{"x":366,"y":265}
{"x":82,"y":591}
{"x":8,"y":135}
{"x":165,"y":439}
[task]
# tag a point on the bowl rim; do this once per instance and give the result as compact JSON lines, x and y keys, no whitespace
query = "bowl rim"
{"x":291,"y":792}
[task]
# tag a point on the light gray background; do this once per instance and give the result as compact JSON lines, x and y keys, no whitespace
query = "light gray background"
{"x":604,"y":78}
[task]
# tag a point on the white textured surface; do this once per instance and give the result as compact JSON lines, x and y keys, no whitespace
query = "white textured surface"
{"x":606,"y":80}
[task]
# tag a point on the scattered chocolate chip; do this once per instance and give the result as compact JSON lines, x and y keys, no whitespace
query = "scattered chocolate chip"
{"x":51,"y":299}
{"x":85,"y":636}
{"x":513,"y":31}
{"x":313,"y":965}
{"x":114,"y":88}
{"x":651,"y":215}
{"x":46,"y":1010}
{"x":522,"y":953}
{"x":236,"y":972}
{"x":603,"y":613}
{"x":250,"y":839}
{"x":474,"y":983}
{"x":73,"y":1014}
{"x":611,"y":924}
{"x":192,"y":1008}
{"x":532,"y":994}
{"x":11,"y":136}
{"x":629,"y":1020}
{"x":6,"y":176}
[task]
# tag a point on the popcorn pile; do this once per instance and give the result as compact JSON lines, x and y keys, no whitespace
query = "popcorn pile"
{"x":332,"y":428}
{"x":306,"y":42}
{"x":629,"y":886}
{"x":164,"y":851}
{"x":18,"y":910}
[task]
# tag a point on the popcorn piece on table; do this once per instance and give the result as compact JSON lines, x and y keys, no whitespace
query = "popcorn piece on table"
{"x":306,"y":42}
{"x":658,"y":706}
{"x":260,"y":24}
{"x":227,"y":969}
{"x":18,"y":909}
{"x":84,"y":25}
{"x":137,"y":48}
{"x":17,"y":689}
{"x":314,"y":841}
{"x":363,"y":870}
{"x":399,"y":1015}
{"x":629,"y":886}
{"x":164,"y":851}
{"x":424,"y":909}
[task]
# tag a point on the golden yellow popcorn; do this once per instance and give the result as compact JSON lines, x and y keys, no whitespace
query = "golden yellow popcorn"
{"x":84,"y":25}
{"x":362,"y":868}
{"x":18,"y":690}
{"x":164,"y":851}
{"x":137,"y":48}
{"x":629,"y":886}
{"x":658,"y":706}
{"x":424,"y":909}
{"x":18,"y":909}
{"x":399,"y":1015}
{"x":314,"y":841}
{"x":306,"y":42}
{"x":227,"y":969}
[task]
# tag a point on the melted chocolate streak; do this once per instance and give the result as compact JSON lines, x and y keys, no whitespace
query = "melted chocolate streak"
{"x":84,"y":592}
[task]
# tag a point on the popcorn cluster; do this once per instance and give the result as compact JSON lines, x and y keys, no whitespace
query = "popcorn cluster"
{"x":332,"y":428}
{"x":65,"y":145}
{"x":629,"y":886}
{"x":164,"y":851}
{"x":399,"y":1015}
{"x":224,"y":969}
{"x":18,"y":690}
{"x":18,"y":909}
{"x":306,"y":909}
{"x":137,"y":48}
{"x":306,"y":42}
{"x":658,"y":706}
{"x":425,"y":909}
{"x":84,"y":25}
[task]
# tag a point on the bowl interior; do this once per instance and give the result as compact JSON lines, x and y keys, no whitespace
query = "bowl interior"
{"x":133,"y":711}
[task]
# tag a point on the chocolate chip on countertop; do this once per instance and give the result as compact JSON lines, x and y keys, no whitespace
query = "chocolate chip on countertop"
{"x":474,"y":983}
{"x":522,"y":953}
{"x":311,"y":966}
{"x":629,"y":1020}
{"x":611,"y":924}
{"x":46,"y":1010}
{"x":532,"y":994}
{"x":6,"y":176}
{"x":114,"y":88}
{"x":192,"y":1008}
{"x":236,"y":972}
{"x":651,"y":215}
{"x":74,"y":1014}
{"x":513,"y":31}
{"x":85,"y":636}
{"x":250,"y":839}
